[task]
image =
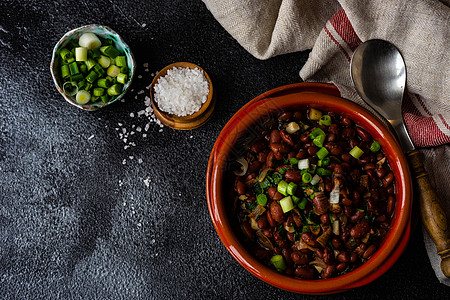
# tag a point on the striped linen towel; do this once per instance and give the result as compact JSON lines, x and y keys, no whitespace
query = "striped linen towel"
{"x":333,"y":30}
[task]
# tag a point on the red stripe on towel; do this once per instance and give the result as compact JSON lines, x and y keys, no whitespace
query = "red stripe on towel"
{"x":344,"y":28}
{"x":337,"y":43}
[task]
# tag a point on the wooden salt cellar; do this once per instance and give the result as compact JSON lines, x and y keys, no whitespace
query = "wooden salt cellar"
{"x":193,"y":121}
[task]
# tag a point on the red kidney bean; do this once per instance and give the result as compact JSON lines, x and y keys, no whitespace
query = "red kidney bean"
{"x":346,"y":157}
{"x":357,"y":216}
{"x":390,"y":189}
{"x":248,"y":230}
{"x":353,"y":257}
{"x":278,"y":196}
{"x":258,"y":147}
{"x":293,"y":175}
{"x":286,"y":138}
{"x":319,"y":253}
{"x":370,"y":251}
{"x":380,"y":219}
{"x":328,"y":271}
{"x":360,"y":229}
{"x":336,"y":150}
{"x":262,"y":157}
{"x":312,"y":150}
{"x":349,"y":211}
{"x":271,"y":191}
{"x":328,"y":256}
{"x":301,"y":154}
{"x":299,"y":258}
{"x":287,"y":256}
{"x":262,"y":222}
{"x":346,"y":122}
{"x":328,"y":186}
{"x":387,"y":180}
{"x":276,"y":212}
{"x":277,"y":250}
{"x":309,"y":239}
{"x":324,"y":219}
{"x":290,"y":236}
{"x":268,"y":232}
{"x":390,"y":205}
{"x":331,"y":137}
{"x":321,"y":203}
{"x":241,"y":188}
{"x":353,"y":143}
{"x":297,"y":220}
{"x":270,"y":220}
{"x":334,"y":129}
{"x":304,"y":273}
{"x":348,"y":133}
{"x":341,"y":267}
{"x":305,"y":137}
{"x":338,"y":169}
{"x":254,"y":166}
{"x":286,"y":116}
{"x":275,"y":136}
{"x":337,"y":243}
{"x":346,"y":202}
{"x":363,"y":134}
{"x":298,"y":115}
{"x":292,"y":154}
{"x":381,"y":172}
{"x":270,"y":161}
{"x":343,"y":256}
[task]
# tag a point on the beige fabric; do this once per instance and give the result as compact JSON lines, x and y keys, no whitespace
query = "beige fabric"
{"x":420,"y":29}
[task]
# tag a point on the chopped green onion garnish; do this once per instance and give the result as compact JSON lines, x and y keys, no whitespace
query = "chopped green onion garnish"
{"x":325,"y":120}
{"x":124,"y":70}
{"x":292,"y":127}
{"x":318,"y":140}
{"x":65,"y":54}
{"x":375,"y":147}
{"x":100,"y":71}
{"x":278,"y":262}
{"x":90,"y":63}
{"x":307,"y":177}
{"x":293,"y":161}
{"x":115,"y":90}
{"x":303,"y":164}
{"x":292,"y":188}
{"x":356,"y":152}
{"x":315,"y":180}
{"x":70,"y":88}
{"x":324,"y":162}
{"x":121,"y":78}
{"x":262,"y":199}
{"x":99,"y":92}
{"x":96,"y":53}
{"x":121,"y":61}
{"x":110,"y":51}
{"x":282,"y":187}
{"x":83,"y":97}
{"x":303,"y":203}
{"x":73,"y":67}
{"x":295,"y":199}
{"x":316,"y":132}
{"x":91,"y":76}
{"x":104,"y":98}
{"x":113,"y":71}
{"x":89,"y":40}
{"x":65,"y":72}
{"x":104,"y":61}
{"x":286,"y":204}
{"x":322,"y":153}
{"x":76,"y":77}
{"x":80,"y":54}
{"x":103,"y":83}
{"x":81,"y":84}
{"x":323,"y":172}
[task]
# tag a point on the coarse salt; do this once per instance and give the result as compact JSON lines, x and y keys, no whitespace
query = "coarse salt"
{"x":182,"y":91}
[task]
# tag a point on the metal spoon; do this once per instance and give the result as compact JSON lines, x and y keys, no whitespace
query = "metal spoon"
{"x":379,"y":74}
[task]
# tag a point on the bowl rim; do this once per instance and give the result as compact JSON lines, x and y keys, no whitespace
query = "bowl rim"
{"x":394,"y":243}
{"x":89,"y":28}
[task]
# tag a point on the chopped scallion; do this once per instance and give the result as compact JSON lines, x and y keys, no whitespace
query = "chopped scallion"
{"x":91,"y":76}
{"x":261,"y":199}
{"x":113,"y":71}
{"x":80,"y":54}
{"x":278,"y":262}
{"x":315,"y":180}
{"x":73,"y":67}
{"x":104,"y":61}
{"x":83,"y":97}
{"x":375,"y":147}
{"x":115,"y":90}
{"x":65,"y":72}
{"x":121,"y":78}
{"x":323,"y":172}
{"x":70,"y":88}
{"x":303,"y":203}
{"x":104,"y":98}
{"x":121,"y":61}
{"x":286,"y":204}
{"x":316,"y":132}
{"x":291,"y":188}
{"x":322,"y":153}
{"x":325,"y":120}
{"x":98,"y":92}
{"x":282,"y":187}
{"x":292,"y":127}
{"x":307,"y":177}
{"x":303,"y":164}
{"x":356,"y":152}
{"x":318,"y":140}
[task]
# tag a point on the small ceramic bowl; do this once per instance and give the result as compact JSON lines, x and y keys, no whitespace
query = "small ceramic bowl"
{"x":218,"y":187}
{"x":100,"y":31}
{"x":193,"y":121}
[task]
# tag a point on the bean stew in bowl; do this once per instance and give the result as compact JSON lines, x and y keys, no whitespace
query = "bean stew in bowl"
{"x":309,"y":192}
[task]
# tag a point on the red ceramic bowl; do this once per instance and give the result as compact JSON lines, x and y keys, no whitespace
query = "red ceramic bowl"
{"x":324,"y":97}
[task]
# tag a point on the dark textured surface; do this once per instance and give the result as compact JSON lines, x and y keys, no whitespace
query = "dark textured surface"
{"x":75,"y":222}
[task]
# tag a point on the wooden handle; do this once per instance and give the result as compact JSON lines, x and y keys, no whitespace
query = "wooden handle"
{"x":433,"y":216}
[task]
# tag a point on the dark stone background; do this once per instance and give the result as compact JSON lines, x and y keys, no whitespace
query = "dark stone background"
{"x":75,"y":222}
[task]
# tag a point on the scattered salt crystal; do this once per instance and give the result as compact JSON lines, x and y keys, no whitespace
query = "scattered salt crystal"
{"x":147,"y":181}
{"x":131,"y":157}
{"x":140,"y":160}
{"x":143,"y":25}
{"x":146,"y":70}
{"x":132,"y":115}
{"x":182,"y":91}
{"x":124,"y":161}
{"x":138,"y":129}
{"x":145,"y":65}
{"x":139,"y":76}
{"x":160,"y":130}
{"x":91,"y":137}
{"x":144,"y":135}
{"x":191,"y":136}
{"x":141,"y":92}
{"x":120,"y":124}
